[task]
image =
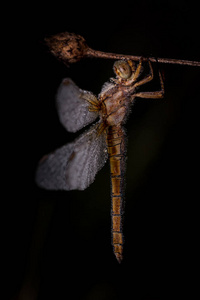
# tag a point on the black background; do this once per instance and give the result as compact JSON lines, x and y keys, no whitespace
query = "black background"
{"x":58,"y":243}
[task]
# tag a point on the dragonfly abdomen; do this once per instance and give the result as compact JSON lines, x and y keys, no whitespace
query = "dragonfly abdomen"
{"x":116,"y":151}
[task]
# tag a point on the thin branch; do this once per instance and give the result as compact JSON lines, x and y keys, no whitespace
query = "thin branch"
{"x":70,"y":48}
{"x":100,"y":54}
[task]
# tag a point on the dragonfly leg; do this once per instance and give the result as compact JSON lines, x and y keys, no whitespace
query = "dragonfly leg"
{"x":138,"y":70}
{"x":146,"y":79}
{"x":135,"y":73}
{"x":155,"y":94}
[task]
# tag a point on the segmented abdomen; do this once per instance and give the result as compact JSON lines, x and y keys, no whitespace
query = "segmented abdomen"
{"x":117,"y":156}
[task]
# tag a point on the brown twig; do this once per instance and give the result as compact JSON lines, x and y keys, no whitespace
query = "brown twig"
{"x":70,"y":48}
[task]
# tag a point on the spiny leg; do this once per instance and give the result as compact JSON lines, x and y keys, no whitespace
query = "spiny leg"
{"x":135,"y":74}
{"x":155,"y":94}
{"x":147,"y":78}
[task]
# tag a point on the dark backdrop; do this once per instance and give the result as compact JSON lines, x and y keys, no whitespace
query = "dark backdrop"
{"x":58,"y":243}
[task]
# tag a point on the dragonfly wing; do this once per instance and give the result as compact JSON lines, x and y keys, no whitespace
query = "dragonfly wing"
{"x":75,"y":165}
{"x":73,"y":110}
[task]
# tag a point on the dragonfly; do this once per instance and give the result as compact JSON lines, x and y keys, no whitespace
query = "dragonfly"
{"x":75,"y":165}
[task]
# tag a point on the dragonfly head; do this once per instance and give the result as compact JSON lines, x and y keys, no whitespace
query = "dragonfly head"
{"x":124,"y":68}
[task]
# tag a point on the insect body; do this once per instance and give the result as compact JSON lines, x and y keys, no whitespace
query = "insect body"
{"x":75,"y":165}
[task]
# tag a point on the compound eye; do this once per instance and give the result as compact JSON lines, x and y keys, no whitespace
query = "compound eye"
{"x":122,"y":69}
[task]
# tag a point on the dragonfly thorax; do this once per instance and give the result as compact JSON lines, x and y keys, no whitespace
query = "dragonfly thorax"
{"x":114,"y":105}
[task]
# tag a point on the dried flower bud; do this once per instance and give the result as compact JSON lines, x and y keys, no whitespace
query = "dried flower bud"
{"x":68,"y":47}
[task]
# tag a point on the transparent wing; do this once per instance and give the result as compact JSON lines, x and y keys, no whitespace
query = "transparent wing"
{"x":72,"y":108}
{"x":75,"y":165}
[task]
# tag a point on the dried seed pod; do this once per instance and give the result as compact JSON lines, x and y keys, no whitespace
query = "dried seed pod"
{"x":71,"y":47}
{"x":67,"y":47}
